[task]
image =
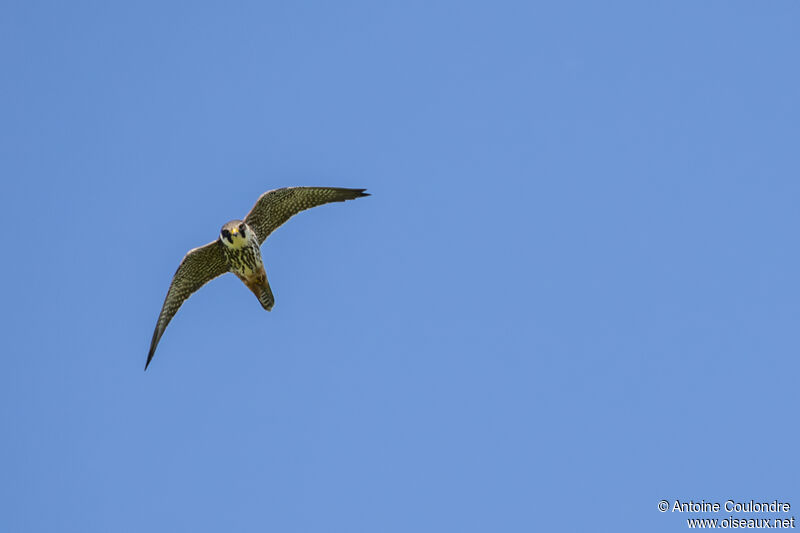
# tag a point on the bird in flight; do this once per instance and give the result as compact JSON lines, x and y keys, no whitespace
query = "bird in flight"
{"x":238,"y":249}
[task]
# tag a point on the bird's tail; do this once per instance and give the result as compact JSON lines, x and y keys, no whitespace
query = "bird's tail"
{"x":264,"y":295}
{"x":259,"y":285}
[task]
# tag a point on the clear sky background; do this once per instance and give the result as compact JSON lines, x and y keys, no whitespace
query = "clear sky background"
{"x":573,"y":293}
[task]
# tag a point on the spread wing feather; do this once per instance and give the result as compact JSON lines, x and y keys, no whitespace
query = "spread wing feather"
{"x":275,"y":207}
{"x":198,"y":267}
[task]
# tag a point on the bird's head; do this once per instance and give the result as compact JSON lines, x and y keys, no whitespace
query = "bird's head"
{"x":234,"y":234}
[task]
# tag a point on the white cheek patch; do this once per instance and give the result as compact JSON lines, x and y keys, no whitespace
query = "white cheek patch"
{"x":238,"y":242}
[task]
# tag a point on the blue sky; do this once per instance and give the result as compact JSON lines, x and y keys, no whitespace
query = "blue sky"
{"x":572,"y":294}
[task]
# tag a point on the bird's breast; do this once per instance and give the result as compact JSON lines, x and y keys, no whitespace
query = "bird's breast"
{"x":246,"y":260}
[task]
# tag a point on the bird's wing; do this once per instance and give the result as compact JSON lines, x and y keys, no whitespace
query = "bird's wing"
{"x":275,"y":207}
{"x":198,"y":267}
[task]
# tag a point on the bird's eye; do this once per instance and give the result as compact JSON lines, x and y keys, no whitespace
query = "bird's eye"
{"x":226,"y":233}
{"x":241,"y":228}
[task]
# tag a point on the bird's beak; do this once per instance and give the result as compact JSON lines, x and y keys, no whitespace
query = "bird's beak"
{"x":235,"y":231}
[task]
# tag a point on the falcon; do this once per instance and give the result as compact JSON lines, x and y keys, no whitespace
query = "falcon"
{"x":238,"y":249}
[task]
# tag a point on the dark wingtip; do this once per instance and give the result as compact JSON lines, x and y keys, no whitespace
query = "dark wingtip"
{"x":153,"y":344}
{"x":150,"y":354}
